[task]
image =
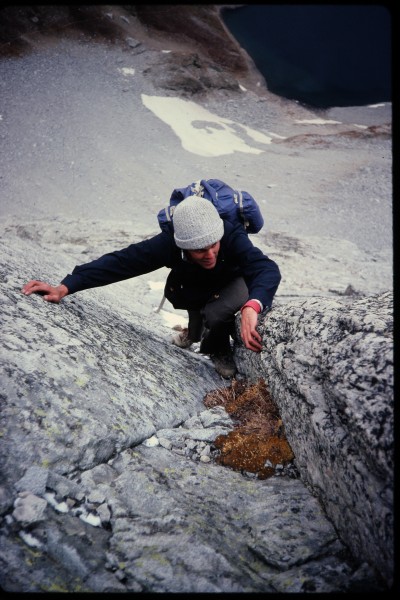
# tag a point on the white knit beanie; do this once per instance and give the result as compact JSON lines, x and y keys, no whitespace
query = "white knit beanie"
{"x":197,"y":224}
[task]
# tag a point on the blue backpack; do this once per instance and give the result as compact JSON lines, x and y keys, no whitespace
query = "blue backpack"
{"x":232,"y":205}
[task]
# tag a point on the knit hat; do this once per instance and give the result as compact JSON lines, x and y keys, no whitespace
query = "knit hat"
{"x":197,"y":223}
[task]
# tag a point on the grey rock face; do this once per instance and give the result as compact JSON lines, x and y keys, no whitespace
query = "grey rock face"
{"x":329,"y":366}
{"x":77,"y":389}
{"x":108,"y":478}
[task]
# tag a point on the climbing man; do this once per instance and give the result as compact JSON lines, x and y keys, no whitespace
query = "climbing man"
{"x":216,"y":271}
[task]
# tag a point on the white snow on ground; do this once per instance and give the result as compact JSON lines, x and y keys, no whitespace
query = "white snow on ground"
{"x":317,"y":121}
{"x":199,"y":130}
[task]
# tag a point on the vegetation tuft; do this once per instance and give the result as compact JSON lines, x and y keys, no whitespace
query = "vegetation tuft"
{"x":258,"y":443}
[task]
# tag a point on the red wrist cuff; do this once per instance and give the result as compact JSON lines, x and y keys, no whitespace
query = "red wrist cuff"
{"x":253,"y":304}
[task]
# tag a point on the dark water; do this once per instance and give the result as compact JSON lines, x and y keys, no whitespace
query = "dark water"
{"x":321,"y":55}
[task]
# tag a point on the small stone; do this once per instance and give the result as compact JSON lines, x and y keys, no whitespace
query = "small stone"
{"x":204,"y":458}
{"x":29,"y":508}
{"x":96,"y":496}
{"x":151,"y":442}
{"x":206,"y":451}
{"x":191,"y":444}
{"x":132,"y":42}
{"x":91,"y":519}
{"x":104,"y":513}
{"x":165,"y":443}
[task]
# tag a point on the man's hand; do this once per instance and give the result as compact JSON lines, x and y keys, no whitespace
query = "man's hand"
{"x":49,"y":292}
{"x":250,"y":336}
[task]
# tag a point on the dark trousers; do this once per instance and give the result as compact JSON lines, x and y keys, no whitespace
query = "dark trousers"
{"x":214,"y":323}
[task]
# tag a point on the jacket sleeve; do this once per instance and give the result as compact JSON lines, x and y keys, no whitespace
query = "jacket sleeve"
{"x":137,"y":259}
{"x":261,"y":274}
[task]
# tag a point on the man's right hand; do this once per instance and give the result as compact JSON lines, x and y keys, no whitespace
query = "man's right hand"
{"x":49,"y":292}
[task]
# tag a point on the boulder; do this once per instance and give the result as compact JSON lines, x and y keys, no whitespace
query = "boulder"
{"x":329,"y":365}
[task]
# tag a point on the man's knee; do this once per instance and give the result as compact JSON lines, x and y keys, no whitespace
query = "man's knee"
{"x":222,"y":307}
{"x":216,"y":315}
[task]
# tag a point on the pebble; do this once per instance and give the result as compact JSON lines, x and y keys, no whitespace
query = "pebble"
{"x":151,"y":442}
{"x":90,"y":519}
{"x":205,"y":459}
{"x":61,"y":507}
{"x":165,"y":443}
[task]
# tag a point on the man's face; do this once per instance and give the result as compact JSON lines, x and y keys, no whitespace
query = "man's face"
{"x":205,"y":257}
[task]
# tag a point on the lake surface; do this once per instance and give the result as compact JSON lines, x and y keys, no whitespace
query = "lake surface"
{"x":320,"y":55}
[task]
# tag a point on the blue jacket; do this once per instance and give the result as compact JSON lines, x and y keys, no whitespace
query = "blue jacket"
{"x":189,"y":286}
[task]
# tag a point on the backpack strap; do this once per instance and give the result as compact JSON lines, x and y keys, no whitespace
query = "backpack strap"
{"x":197,"y":188}
{"x":241,"y":208}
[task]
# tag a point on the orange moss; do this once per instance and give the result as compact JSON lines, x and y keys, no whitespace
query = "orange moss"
{"x":249,"y":452}
{"x":259,"y":433}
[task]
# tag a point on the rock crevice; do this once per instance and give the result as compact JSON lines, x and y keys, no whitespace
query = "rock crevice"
{"x":329,"y":366}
